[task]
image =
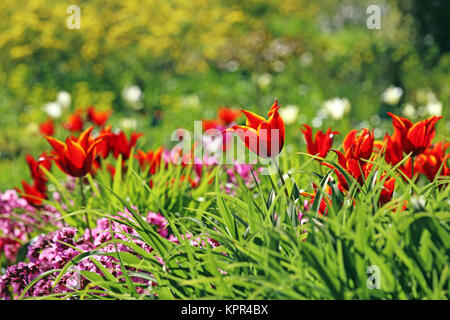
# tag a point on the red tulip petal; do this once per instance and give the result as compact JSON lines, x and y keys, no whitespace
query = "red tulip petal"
{"x":76,"y":154}
{"x":83,"y":139}
{"x":253,"y":120}
{"x":349,"y":140}
{"x":57,"y":145}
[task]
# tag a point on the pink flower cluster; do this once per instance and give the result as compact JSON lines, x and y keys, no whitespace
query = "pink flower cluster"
{"x":198,"y":241}
{"x":244,"y":171}
{"x":18,"y":219}
{"x":56,"y":249}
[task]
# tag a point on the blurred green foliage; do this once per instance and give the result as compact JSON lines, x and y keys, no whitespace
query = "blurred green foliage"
{"x":190,"y":57}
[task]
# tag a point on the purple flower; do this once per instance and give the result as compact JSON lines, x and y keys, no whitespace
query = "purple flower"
{"x":55,"y":249}
{"x":18,"y":220}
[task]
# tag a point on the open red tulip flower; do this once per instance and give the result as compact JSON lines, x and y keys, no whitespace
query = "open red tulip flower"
{"x":104,"y":147}
{"x":116,"y":143}
{"x":211,"y":124}
{"x":76,"y":156}
{"x":393,"y":154}
{"x":119,"y":144}
{"x":433,"y":159}
{"x":358,"y":147}
{"x":325,"y":202}
{"x":427,"y":163}
{"x":386,"y":190}
{"x":416,"y":137}
{"x":228,"y":116}
{"x":261,"y":136}
{"x":322,"y":141}
{"x":47,"y":128}
{"x":156,"y":159}
{"x":35,"y":167}
{"x":74,"y":123}
{"x":99,"y":118}
{"x":151,"y":159}
{"x":394,"y":151}
{"x":36,"y":192}
{"x":32,"y":193}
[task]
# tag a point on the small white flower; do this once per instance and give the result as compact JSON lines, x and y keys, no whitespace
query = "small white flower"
{"x":64,"y":99}
{"x":306,"y":59}
{"x":232,"y":66}
{"x":190,"y":101}
{"x":128,"y":123}
{"x":278,"y":66}
{"x":375,"y":119}
{"x":421,"y":111}
{"x":53,"y":109}
{"x":337,"y":107}
{"x":424,"y":96}
{"x":317,"y":122}
{"x":132,"y":94}
{"x":264,"y":80}
{"x":377,"y":133}
{"x":434,"y":108}
{"x":409,"y":111}
{"x":289,"y":113}
{"x":392,"y":95}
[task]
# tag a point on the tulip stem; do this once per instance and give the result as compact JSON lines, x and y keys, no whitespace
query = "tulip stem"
{"x":412,"y":171}
{"x":320,"y":169}
{"x":83,"y":205}
{"x":281,"y":178}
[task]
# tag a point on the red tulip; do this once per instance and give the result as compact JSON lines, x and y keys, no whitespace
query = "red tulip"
{"x":111,"y":169}
{"x":104,"y":147}
{"x":393,"y":154}
{"x":116,"y":143}
{"x":261,"y":136}
{"x":150,"y":159}
{"x":36,"y":173}
{"x":325,"y":202}
{"x":228,"y":116}
{"x":416,"y":137}
{"x":142,"y":157}
{"x":394,"y":151}
{"x":351,"y":166}
{"x":155,"y":162}
{"x":358,"y":145}
{"x":76,"y":156}
{"x":98,"y":117}
{"x":387,"y":190}
{"x":36,"y":192}
{"x":182,"y":178}
{"x":32,"y":194}
{"x":432,"y":159}
{"x":74,"y":123}
{"x":119,"y":144}
{"x":47,"y":128}
{"x":322,"y":141}
{"x":388,"y":186}
{"x":211,"y":124}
